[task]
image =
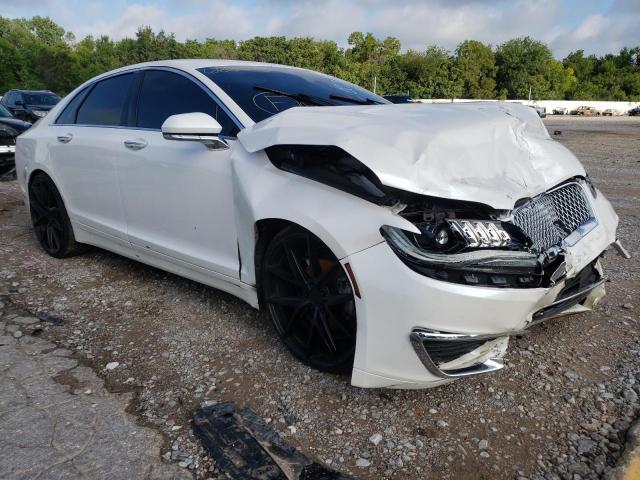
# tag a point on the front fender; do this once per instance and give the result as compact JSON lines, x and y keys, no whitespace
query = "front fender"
{"x":345,"y":223}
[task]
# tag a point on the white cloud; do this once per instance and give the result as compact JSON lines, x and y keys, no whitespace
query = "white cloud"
{"x":564,"y":24}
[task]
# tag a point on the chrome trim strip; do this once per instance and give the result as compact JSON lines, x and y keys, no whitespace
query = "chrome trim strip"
{"x":418,"y":335}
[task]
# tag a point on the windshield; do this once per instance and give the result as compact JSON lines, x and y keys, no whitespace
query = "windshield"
{"x":4,"y":113}
{"x":263,"y":91}
{"x":40,"y":99}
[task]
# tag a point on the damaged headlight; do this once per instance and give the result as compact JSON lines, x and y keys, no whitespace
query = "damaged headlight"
{"x":473,"y":252}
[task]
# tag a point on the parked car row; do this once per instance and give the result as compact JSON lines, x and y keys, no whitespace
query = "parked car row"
{"x":588,"y":111}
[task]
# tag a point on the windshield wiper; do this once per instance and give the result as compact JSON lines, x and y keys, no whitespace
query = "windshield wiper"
{"x":357,"y":101}
{"x":301,"y":97}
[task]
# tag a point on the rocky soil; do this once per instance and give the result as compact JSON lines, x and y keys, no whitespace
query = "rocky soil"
{"x":560,"y":408}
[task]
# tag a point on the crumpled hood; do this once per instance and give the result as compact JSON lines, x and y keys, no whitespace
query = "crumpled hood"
{"x":489,"y":152}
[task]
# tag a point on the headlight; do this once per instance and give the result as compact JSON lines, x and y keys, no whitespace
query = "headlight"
{"x":39,"y":113}
{"x":483,"y":264}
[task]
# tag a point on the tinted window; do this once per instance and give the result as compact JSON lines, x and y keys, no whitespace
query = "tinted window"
{"x":104,"y":104}
{"x":49,"y":99}
{"x":68,"y":115}
{"x":4,"y":113}
{"x":165,"y":93}
{"x":259,"y":90}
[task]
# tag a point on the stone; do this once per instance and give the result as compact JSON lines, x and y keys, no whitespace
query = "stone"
{"x":112,"y":365}
{"x":484,"y":454}
{"x":441,"y":424}
{"x":585,"y":445}
{"x":376,"y":438}
{"x":630,"y":396}
{"x":17,"y":334}
{"x":483,"y":444}
{"x":362,"y":463}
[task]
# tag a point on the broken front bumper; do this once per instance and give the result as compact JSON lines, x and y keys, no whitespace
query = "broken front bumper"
{"x":401,"y":309}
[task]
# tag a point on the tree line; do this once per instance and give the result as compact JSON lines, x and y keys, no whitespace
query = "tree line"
{"x":38,"y":53}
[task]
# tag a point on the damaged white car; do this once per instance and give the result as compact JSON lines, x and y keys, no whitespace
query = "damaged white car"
{"x":402,"y":243}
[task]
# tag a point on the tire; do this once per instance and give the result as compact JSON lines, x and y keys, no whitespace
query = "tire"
{"x":310,"y":300}
{"x":50,"y":220}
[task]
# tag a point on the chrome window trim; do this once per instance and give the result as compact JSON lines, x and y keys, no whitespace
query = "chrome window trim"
{"x":187,"y":75}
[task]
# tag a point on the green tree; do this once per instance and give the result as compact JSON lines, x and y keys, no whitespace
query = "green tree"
{"x":477,"y":69}
{"x":524,"y":64}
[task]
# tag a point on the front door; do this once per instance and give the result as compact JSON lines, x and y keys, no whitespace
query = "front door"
{"x":178,"y":195}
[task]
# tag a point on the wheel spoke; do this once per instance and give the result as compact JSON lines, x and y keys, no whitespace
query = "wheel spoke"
{"x":337,"y":323}
{"x":295,"y":316}
{"x":284,"y":275}
{"x":286,"y":301}
{"x":39,"y":209}
{"x":325,"y":332}
{"x":294,"y":264}
{"x":50,"y":240}
{"x":312,"y":330}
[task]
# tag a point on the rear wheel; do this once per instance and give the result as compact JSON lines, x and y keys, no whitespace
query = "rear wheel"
{"x":310,"y":300}
{"x":50,"y":221}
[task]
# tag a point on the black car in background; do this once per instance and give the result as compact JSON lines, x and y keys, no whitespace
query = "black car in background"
{"x":10,"y":128}
{"x":634,"y":111}
{"x":29,"y":105}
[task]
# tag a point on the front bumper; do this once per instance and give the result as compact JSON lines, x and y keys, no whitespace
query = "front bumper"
{"x":399,"y":307}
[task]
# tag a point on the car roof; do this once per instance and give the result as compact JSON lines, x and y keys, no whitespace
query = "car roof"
{"x":29,"y":91}
{"x":194,"y":64}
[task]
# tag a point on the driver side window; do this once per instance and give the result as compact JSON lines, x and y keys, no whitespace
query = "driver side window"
{"x":163,"y":94}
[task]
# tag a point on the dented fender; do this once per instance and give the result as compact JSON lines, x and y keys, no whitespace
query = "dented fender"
{"x":345,"y":223}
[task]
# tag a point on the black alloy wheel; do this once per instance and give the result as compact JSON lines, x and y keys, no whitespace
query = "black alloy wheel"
{"x":49,"y":218}
{"x":310,"y":300}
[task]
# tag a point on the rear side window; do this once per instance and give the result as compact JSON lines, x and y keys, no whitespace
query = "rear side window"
{"x":68,"y":115}
{"x":105,"y":103}
{"x":165,"y":93}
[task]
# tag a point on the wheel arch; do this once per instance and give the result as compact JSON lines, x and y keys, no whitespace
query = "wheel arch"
{"x":266,"y":228}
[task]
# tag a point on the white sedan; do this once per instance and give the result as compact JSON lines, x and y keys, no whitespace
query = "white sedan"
{"x":404,"y":244}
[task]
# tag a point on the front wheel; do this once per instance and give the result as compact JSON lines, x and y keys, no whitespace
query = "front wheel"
{"x":310,"y":300}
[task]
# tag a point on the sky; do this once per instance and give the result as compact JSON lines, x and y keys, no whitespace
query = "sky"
{"x":596,"y":26}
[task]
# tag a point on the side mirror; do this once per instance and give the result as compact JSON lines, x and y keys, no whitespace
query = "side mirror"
{"x":194,"y":127}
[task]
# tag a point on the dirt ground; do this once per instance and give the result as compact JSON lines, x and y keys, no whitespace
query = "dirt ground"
{"x":569,"y":382}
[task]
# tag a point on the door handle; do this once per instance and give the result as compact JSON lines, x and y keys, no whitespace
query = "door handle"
{"x":65,"y":138}
{"x":135,"y":144}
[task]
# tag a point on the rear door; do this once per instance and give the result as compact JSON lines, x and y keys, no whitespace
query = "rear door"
{"x":86,"y":146}
{"x":178,"y":195}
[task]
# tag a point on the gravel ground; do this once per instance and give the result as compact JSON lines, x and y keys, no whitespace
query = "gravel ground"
{"x":560,"y":408}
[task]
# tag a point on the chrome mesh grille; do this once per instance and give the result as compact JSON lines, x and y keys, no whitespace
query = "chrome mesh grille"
{"x":550,"y":218}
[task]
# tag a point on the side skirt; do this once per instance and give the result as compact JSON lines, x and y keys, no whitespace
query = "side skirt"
{"x":88,"y":235}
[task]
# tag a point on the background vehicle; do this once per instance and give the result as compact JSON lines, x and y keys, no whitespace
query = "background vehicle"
{"x":585,"y":111}
{"x":10,"y":128}
{"x":7,"y":148}
{"x":541,"y":111}
{"x":29,"y":105}
{"x":399,"y":99}
{"x":634,"y":111}
{"x":560,"y":111}
{"x":6,"y":118}
{"x":205,"y":169}
{"x":610,"y":112}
